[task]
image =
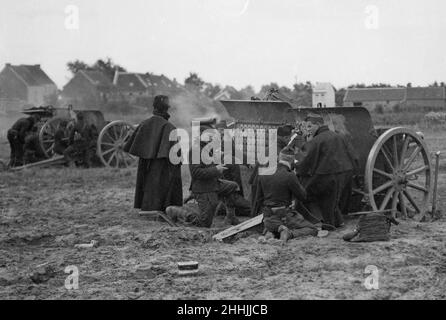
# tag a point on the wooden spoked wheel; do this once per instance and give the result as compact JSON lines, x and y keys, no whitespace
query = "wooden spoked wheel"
{"x":47,"y":133}
{"x":398,"y":173}
{"x":111,"y":141}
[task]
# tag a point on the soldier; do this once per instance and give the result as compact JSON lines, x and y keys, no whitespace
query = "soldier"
{"x":32,"y":149}
{"x":82,"y":142}
{"x":327,"y":166}
{"x":275,"y":195}
{"x":16,"y":137}
{"x":206,"y":187}
{"x":233,"y":173}
{"x":60,"y":144}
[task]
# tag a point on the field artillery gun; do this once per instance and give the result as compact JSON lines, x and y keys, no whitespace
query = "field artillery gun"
{"x":395,"y":171}
{"x":111,"y":138}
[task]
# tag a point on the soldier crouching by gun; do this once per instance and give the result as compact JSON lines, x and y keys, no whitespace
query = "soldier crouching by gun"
{"x":82,"y":142}
{"x":275,"y":195}
{"x":207,"y":186}
{"x":16,"y":137}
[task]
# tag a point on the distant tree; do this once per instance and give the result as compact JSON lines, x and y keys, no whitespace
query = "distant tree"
{"x":302,"y":93}
{"x":357,"y":85}
{"x":435,"y":84}
{"x":194,"y":82}
{"x":76,"y":65}
{"x":248,"y":92}
{"x":339,"y":97}
{"x":409,"y":85}
{"x":264,"y":90}
{"x":108,"y":67}
{"x":211,"y":90}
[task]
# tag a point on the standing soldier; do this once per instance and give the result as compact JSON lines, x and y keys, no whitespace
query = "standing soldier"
{"x":16,"y":137}
{"x":158,"y":181}
{"x":82,"y":142}
{"x":327,"y":169}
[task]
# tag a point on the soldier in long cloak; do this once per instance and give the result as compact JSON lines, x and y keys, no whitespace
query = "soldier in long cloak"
{"x":158,"y":181}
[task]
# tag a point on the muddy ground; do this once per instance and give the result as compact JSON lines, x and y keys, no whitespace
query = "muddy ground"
{"x":45,"y":213}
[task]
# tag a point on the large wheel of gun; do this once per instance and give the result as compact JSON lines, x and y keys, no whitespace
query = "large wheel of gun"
{"x":47,"y":133}
{"x":398,"y":173}
{"x":111,"y":141}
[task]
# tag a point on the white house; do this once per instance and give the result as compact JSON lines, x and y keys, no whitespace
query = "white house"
{"x":323,"y":95}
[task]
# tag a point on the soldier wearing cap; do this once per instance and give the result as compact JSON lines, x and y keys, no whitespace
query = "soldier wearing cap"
{"x":16,"y":137}
{"x":275,"y":195}
{"x":82,"y":142}
{"x":233,"y":173}
{"x":207,"y":186}
{"x":326,"y":167}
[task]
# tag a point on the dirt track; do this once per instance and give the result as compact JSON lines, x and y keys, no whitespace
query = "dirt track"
{"x":45,"y":213}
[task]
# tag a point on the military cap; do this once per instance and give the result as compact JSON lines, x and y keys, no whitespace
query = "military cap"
{"x":314,"y":118}
{"x":286,"y":154}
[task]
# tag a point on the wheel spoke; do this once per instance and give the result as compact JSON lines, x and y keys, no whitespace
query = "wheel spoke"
{"x":107,"y":144}
{"x":411,"y":200}
{"x":386,"y":156}
{"x":383,"y":173}
{"x":111,"y":158}
{"x":109,"y":135}
{"x":386,"y":199}
{"x":126,"y":136}
{"x":412,"y":157}
{"x":395,"y":152}
{"x":416,"y":171}
{"x":108,"y":151}
{"x":404,"y":150}
{"x":394,"y":202}
{"x":123,"y":132}
{"x":383,"y":187}
{"x":402,"y":204}
{"x":115,"y":132}
{"x":417,"y":187}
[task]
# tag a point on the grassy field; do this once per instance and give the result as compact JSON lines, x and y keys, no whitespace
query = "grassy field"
{"x":45,"y":213}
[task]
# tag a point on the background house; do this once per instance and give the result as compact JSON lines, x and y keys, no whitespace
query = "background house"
{"x":130,"y":86}
{"x":371,"y":98}
{"x":428,"y":98}
{"x":25,"y":84}
{"x":323,"y":95}
{"x":228,"y":93}
{"x":88,"y":89}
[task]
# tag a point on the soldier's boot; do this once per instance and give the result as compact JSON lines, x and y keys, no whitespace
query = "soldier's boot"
{"x":230,"y":216}
{"x":285,"y":233}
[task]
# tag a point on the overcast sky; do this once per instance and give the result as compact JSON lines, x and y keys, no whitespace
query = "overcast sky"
{"x":237,"y":42}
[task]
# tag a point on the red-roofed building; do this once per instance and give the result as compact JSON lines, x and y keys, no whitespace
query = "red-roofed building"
{"x":27,"y":84}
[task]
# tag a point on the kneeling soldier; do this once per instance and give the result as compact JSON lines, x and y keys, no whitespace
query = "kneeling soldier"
{"x":207,"y":186}
{"x":276,"y":193}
